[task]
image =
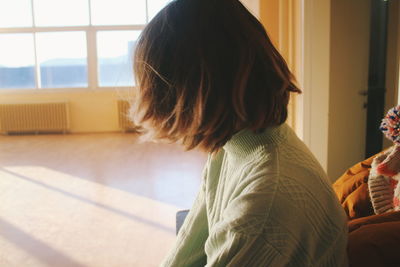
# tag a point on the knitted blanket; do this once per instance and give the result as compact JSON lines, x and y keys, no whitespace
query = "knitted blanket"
{"x":384,"y":190}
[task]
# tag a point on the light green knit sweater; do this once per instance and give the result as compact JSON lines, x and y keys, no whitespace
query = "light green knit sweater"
{"x":264,"y":201}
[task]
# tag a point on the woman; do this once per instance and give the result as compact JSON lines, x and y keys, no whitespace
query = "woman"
{"x":209,"y":78}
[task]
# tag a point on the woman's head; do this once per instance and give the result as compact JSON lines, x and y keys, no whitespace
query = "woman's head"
{"x":206,"y":69}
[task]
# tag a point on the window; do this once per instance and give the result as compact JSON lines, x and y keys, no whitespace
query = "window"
{"x":70,"y":43}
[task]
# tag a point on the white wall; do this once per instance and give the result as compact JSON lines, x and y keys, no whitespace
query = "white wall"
{"x":316,"y":62}
{"x":90,"y":110}
{"x":392,"y":97}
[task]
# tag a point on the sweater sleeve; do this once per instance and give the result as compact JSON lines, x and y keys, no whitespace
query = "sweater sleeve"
{"x":257,"y":231}
{"x":188,"y":250}
{"x":238,"y":249}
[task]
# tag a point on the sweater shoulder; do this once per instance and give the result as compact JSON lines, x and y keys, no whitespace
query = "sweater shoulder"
{"x":283,"y":184}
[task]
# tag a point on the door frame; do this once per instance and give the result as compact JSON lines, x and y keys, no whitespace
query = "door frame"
{"x":377,"y":78}
{"x":312,"y":113}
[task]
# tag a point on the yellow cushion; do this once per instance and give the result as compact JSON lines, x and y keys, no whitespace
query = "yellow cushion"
{"x":352,"y":190}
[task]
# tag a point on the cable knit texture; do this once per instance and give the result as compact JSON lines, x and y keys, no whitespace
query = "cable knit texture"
{"x":384,"y":190}
{"x":264,"y":201}
{"x":380,"y":188}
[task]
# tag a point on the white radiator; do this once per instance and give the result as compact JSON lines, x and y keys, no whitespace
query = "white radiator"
{"x":34,"y":118}
{"x":125,"y":124}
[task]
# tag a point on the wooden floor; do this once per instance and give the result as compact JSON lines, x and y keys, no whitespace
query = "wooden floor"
{"x":91,"y":200}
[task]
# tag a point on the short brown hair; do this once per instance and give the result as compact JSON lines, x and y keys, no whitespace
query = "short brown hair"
{"x":206,"y":69}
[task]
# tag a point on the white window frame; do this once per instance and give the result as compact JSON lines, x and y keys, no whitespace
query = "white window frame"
{"x":91,"y":44}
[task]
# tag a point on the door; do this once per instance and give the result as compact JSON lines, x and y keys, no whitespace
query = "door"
{"x":348,"y":79}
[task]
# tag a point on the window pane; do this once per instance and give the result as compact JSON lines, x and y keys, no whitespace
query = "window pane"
{"x":17,"y":60}
{"x":61,"y":12}
{"x":118,"y":12}
{"x":62,"y":58}
{"x":154,"y":6}
{"x":115,"y":52}
{"x":15,"y":13}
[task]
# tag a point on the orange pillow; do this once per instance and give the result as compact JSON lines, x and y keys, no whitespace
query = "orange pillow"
{"x":374,"y":240}
{"x":374,"y":220}
{"x":352,"y":190}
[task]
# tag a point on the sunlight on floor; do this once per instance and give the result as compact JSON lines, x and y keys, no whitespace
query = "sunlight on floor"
{"x":118,"y":221}
{"x":91,"y":200}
